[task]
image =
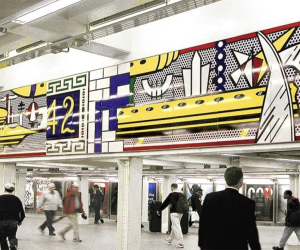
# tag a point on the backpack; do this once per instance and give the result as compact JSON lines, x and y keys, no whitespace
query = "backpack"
{"x":182,"y":205}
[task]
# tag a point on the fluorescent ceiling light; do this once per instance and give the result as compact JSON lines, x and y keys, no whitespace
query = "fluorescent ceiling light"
{"x":45,"y":10}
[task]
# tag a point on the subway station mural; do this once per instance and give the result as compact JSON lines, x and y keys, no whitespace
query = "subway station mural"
{"x":242,"y":90}
{"x":23,"y":120}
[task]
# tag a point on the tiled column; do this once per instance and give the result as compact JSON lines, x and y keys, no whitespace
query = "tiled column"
{"x":21,"y":187}
{"x":83,"y":182}
{"x":294,"y":184}
{"x":145,"y":199}
{"x":294,"y":187}
{"x":129,"y":204}
{"x":7,"y":174}
{"x":165,"y":221}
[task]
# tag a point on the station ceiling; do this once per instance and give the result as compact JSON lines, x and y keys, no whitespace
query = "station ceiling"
{"x":257,"y":160}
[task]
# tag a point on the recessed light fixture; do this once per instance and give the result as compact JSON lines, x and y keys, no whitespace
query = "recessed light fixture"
{"x":45,"y":10}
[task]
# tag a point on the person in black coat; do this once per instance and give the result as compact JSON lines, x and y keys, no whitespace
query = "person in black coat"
{"x":11,"y":216}
{"x":292,"y":219}
{"x":96,"y":201}
{"x":227,"y":217}
{"x":196,"y":199}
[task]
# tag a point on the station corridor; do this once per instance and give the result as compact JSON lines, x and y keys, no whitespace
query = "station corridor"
{"x":103,"y":236}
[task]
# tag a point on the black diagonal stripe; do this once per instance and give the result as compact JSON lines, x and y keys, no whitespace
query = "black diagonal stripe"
{"x":263,"y":131}
{"x":279,"y":128}
{"x":170,"y":125}
{"x":273,"y":99}
{"x":267,"y":118}
{"x":273,"y":127}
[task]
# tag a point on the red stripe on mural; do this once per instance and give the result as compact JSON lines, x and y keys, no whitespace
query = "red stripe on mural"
{"x":238,"y":38}
{"x":192,"y":145}
{"x":22,"y":155}
{"x":288,"y":26}
{"x":205,"y":46}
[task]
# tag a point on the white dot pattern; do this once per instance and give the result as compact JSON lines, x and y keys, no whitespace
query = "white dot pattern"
{"x":195,"y":137}
{"x":295,"y":39}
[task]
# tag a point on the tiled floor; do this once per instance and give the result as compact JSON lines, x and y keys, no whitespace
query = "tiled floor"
{"x":103,"y":236}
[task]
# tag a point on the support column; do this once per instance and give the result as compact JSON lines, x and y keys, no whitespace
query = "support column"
{"x":7,"y":174}
{"x":83,"y":182}
{"x":21,"y":187}
{"x":145,"y":199}
{"x":294,"y":184}
{"x":129,"y":204}
{"x":165,"y":221}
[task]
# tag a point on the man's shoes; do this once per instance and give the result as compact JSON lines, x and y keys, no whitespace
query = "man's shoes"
{"x":77,"y":240}
{"x":52,"y":234}
{"x":278,"y":248}
{"x":62,"y":236}
{"x":102,"y":221}
{"x":41,"y":230}
{"x":96,"y":222}
{"x":179,"y":246}
{"x":168,"y":242}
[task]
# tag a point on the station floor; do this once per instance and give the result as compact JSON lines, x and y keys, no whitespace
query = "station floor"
{"x":103,"y":236}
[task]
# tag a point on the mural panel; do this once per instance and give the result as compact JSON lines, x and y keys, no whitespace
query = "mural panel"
{"x":242,"y":90}
{"x":23,"y":121}
{"x":109,"y":90}
{"x":67,"y":115}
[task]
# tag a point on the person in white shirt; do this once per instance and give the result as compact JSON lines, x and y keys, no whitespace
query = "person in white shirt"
{"x":50,"y":201}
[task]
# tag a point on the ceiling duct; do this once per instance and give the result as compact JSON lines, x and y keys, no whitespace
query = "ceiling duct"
{"x":30,"y":46}
{"x":128,"y":12}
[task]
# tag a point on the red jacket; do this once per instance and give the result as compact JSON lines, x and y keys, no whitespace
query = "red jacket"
{"x":69,"y":203}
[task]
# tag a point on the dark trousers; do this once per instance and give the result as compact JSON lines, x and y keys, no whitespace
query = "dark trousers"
{"x":8,"y":229}
{"x":49,"y":220}
{"x":97,"y":212}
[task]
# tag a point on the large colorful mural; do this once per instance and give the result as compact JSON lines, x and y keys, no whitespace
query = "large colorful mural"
{"x":242,"y":90}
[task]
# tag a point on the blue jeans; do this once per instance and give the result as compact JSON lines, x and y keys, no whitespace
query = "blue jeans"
{"x":8,"y":229}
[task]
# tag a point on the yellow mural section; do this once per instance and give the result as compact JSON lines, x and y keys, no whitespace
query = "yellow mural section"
{"x":34,"y":90}
{"x":187,"y":111}
{"x":278,"y":44}
{"x":152,"y":64}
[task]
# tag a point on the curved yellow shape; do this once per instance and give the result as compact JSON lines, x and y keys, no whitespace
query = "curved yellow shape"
{"x":12,"y":136}
{"x":153,"y":63}
{"x":3,"y":115}
{"x":34,"y":90}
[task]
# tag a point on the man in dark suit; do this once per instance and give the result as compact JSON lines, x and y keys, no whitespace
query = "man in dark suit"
{"x":227,"y":217}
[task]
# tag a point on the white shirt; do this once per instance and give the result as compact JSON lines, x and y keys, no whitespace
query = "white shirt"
{"x":50,"y":201}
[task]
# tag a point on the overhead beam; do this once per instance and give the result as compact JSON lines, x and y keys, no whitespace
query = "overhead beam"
{"x":99,"y":49}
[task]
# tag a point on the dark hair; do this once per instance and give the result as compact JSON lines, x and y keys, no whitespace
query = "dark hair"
{"x":174,"y":185}
{"x":96,"y":186}
{"x":233,"y":175}
{"x":288,"y":192}
{"x":9,"y":190}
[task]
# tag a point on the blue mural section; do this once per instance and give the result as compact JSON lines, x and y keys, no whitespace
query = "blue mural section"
{"x":63,"y":119}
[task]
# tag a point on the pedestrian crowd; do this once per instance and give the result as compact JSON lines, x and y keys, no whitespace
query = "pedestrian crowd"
{"x":226,"y":218}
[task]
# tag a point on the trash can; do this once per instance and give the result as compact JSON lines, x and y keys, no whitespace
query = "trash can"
{"x":154,"y":219}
